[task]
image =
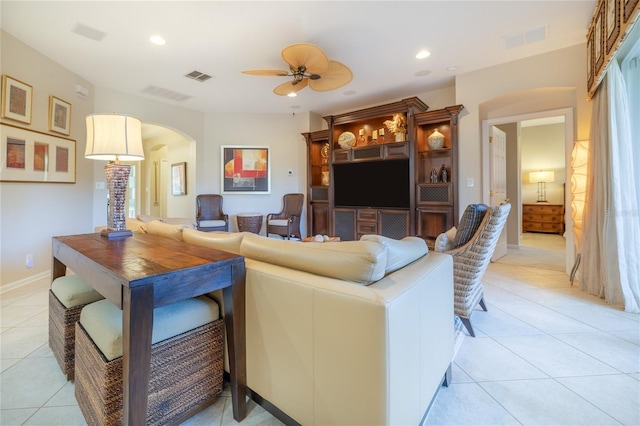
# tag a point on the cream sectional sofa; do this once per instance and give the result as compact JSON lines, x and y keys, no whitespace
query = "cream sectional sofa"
{"x":342,"y":333}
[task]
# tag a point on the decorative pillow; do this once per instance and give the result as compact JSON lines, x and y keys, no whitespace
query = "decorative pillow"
{"x":180,"y":221}
{"x":471,"y":218}
{"x":399,"y":252}
{"x":360,"y":262}
{"x":146,"y":218}
{"x":225,"y":241}
{"x":445,"y":241}
{"x":165,"y":230}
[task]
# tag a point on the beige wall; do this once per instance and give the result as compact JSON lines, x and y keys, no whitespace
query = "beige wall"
{"x":542,"y":148}
{"x":546,"y":82}
{"x":32,"y":213}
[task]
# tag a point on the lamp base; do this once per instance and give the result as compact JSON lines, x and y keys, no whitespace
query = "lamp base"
{"x":113,"y":234}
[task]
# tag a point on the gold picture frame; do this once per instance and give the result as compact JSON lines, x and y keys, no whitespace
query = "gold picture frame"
{"x":59,"y":116}
{"x":629,"y":8}
{"x":179,"y":178}
{"x":16,"y":99}
{"x":30,"y":156}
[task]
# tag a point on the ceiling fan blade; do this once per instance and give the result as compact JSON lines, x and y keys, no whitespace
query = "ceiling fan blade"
{"x":288,"y":87}
{"x":308,"y":55}
{"x":337,"y":75}
{"x":279,"y":73}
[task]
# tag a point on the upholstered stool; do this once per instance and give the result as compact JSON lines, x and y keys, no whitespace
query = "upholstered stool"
{"x":186,"y":361}
{"x":67,"y":296}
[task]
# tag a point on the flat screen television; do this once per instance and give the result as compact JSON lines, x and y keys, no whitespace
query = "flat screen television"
{"x":383,"y":184}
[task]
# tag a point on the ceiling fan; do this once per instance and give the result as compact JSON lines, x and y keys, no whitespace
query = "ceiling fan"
{"x":309,"y":66}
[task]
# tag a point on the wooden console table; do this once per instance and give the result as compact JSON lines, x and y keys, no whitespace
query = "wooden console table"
{"x":143,"y":272}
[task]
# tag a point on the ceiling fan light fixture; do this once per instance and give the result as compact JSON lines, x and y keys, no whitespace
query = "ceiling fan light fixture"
{"x":292,"y":95}
{"x":423,"y":54}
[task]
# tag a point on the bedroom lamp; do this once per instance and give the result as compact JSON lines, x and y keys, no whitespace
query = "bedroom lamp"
{"x":115,"y":137}
{"x":541,"y":178}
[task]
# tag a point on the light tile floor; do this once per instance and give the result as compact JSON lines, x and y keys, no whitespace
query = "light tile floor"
{"x":546,"y":354}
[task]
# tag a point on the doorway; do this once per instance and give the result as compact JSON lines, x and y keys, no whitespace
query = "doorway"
{"x":515,"y":175}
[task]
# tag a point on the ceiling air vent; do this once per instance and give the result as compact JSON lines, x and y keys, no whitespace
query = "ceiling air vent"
{"x":87,"y":31}
{"x":165,"y":93}
{"x":199,"y":76}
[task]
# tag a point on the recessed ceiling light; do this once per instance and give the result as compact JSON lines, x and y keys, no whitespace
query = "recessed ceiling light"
{"x":423,"y":54}
{"x":452,"y":68}
{"x":422,"y":73}
{"x":156,"y":39}
{"x":292,"y":95}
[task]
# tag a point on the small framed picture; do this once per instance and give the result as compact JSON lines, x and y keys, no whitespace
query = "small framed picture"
{"x":16,"y":99}
{"x":59,"y":115}
{"x":179,"y":179}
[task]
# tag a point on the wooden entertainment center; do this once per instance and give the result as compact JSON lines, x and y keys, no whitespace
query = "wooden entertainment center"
{"x":363,"y":179}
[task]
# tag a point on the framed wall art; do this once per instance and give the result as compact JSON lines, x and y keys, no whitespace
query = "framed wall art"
{"x":612,"y":23}
{"x":179,"y":179}
{"x":59,"y":115}
{"x":30,"y":156}
{"x":246,"y":169}
{"x":16,"y":99}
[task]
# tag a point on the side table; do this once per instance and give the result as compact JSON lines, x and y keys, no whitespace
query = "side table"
{"x":250,"y":222}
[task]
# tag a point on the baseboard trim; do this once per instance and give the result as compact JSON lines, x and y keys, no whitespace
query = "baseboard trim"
{"x":23,"y":282}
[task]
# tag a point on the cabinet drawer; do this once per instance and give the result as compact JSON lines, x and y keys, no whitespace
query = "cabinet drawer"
{"x":367,"y":227}
{"x":542,"y":227}
{"x":542,"y":218}
{"x":370,"y":215}
{"x":543,"y":209}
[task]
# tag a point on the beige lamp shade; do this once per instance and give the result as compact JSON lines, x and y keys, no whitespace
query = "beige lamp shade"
{"x":114,"y":137}
{"x":541,"y":176}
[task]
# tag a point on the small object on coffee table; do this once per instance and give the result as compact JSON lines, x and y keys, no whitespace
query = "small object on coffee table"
{"x":320,"y":239}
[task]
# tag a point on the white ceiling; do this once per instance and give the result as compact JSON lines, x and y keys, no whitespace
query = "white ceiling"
{"x":378,"y":40}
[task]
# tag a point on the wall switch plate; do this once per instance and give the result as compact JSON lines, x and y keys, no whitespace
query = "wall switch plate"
{"x":469,"y":182}
{"x":100,"y":185}
{"x":29,"y":261}
{"x":290,"y":172}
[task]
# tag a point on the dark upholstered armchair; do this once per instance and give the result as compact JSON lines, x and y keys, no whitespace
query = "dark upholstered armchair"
{"x":286,"y":223}
{"x":209,"y":215}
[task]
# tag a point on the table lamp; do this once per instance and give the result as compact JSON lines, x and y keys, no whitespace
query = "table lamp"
{"x":115,"y":137}
{"x":541,"y":178}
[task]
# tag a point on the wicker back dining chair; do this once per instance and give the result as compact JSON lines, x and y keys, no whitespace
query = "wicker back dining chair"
{"x":209,"y":215}
{"x":470,"y":262}
{"x":286,"y":223}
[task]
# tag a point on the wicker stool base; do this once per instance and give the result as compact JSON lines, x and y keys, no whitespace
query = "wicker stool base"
{"x":185,"y":377}
{"x":62,"y":331}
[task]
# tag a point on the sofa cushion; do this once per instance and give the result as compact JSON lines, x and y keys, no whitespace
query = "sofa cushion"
{"x":468,"y":225}
{"x":147,"y":218}
{"x":399,"y":252}
{"x":445,"y":241}
{"x":212,"y":223}
{"x":103,"y":322}
{"x":71,"y":291}
{"x":180,"y":221}
{"x":225,"y":241}
{"x":357,"y":261}
{"x":164,"y":230}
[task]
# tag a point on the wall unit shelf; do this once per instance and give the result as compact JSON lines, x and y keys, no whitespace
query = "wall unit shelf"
{"x":402,"y":198}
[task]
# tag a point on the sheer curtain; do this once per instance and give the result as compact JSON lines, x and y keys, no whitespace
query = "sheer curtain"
{"x":611,"y":235}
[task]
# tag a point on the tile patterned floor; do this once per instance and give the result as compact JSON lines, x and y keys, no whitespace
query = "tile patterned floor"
{"x":546,"y":354}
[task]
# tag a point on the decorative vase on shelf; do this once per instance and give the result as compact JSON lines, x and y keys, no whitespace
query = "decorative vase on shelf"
{"x":325,"y":179}
{"x":436,"y":140}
